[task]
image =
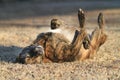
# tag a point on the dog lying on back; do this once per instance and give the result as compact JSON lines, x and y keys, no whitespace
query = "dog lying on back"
{"x":58,"y":47}
{"x":91,"y":42}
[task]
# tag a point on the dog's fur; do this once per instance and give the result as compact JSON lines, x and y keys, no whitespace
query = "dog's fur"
{"x":59,"y":47}
{"x":91,"y":42}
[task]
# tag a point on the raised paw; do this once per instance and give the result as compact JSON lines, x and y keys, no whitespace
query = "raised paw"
{"x":55,"y":23}
{"x":81,"y":18}
{"x":86,"y":42}
{"x":101,"y":20}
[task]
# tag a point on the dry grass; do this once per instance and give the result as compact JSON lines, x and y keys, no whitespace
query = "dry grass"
{"x":104,"y":66}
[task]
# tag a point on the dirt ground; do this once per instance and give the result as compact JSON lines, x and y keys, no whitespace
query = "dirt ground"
{"x":20,"y":23}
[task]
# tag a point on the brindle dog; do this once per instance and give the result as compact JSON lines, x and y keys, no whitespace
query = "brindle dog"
{"x":91,"y":42}
{"x":56,"y":47}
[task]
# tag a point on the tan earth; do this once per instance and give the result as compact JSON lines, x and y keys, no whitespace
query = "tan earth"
{"x":20,"y":24}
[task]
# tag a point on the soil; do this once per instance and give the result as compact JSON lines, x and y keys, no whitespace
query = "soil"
{"x":20,"y":23}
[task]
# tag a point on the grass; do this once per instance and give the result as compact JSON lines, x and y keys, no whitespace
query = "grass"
{"x":14,"y":35}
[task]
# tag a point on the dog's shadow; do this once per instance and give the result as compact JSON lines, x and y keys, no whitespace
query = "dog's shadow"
{"x":9,"y":53}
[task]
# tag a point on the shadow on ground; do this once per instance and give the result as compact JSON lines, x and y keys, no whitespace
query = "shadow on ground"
{"x":9,"y":53}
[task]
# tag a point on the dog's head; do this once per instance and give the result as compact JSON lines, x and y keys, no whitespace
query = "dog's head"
{"x":31,"y":54}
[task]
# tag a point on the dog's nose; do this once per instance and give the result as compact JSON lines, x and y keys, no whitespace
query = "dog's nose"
{"x":39,"y":49}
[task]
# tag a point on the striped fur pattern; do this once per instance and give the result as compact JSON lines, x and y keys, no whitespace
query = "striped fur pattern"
{"x":58,"y":47}
{"x":91,"y":42}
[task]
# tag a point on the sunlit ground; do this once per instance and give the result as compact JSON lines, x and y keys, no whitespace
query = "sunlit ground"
{"x":20,"y":23}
